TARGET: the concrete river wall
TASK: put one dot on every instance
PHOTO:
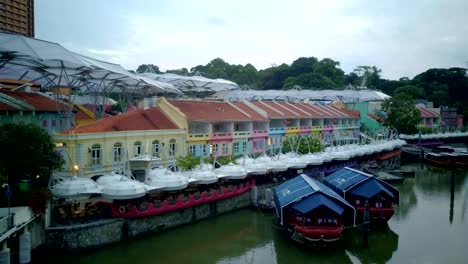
(107, 231)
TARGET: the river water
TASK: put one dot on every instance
(430, 226)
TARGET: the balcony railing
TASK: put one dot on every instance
(317, 128)
(242, 133)
(221, 135)
(198, 136)
(277, 130)
(305, 129)
(292, 129)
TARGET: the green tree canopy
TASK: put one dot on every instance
(27, 151)
(402, 114)
(415, 92)
(144, 68)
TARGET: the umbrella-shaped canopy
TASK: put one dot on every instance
(193, 83)
(311, 95)
(21, 57)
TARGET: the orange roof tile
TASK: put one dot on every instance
(274, 109)
(5, 107)
(321, 110)
(353, 113)
(38, 101)
(141, 119)
(427, 113)
(209, 111)
(254, 115)
(309, 113)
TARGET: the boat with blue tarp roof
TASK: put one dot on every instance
(360, 188)
(310, 212)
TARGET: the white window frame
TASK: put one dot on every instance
(192, 149)
(96, 155)
(236, 147)
(155, 148)
(137, 148)
(172, 147)
(118, 152)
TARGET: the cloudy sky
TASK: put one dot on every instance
(403, 38)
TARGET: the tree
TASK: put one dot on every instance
(402, 114)
(27, 152)
(148, 68)
(183, 71)
(368, 76)
(414, 92)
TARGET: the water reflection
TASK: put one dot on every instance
(408, 199)
(383, 242)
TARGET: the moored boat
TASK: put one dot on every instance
(364, 190)
(310, 212)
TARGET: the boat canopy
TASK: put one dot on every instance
(310, 203)
(304, 194)
(348, 180)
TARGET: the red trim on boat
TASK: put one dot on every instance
(316, 233)
(180, 204)
(390, 154)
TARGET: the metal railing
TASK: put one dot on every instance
(6, 222)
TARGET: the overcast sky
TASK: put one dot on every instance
(401, 37)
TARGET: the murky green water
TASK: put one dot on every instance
(430, 226)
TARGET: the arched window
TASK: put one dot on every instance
(96, 155)
(137, 148)
(117, 152)
(155, 148)
(172, 147)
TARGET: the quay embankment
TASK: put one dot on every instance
(104, 232)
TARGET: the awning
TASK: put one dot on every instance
(312, 202)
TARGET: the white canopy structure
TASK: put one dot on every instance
(53, 65)
(301, 95)
(192, 84)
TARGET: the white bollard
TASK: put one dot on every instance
(268, 197)
(5, 254)
(25, 246)
(254, 195)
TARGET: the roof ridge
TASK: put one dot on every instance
(240, 110)
(275, 110)
(287, 109)
(288, 103)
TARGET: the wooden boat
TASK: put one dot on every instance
(403, 173)
(311, 213)
(447, 156)
(361, 189)
(389, 178)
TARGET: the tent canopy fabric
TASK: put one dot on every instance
(369, 189)
(358, 182)
(297, 189)
(53, 65)
(193, 83)
(350, 96)
(314, 201)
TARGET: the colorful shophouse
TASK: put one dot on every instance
(217, 128)
(105, 145)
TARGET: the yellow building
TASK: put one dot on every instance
(104, 146)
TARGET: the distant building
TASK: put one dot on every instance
(34, 108)
(450, 117)
(17, 16)
(429, 117)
